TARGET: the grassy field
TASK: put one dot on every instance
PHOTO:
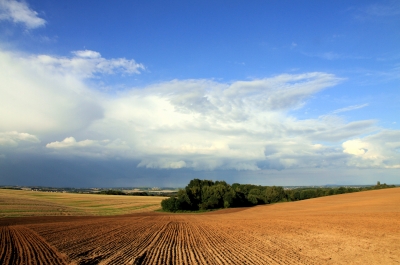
(14, 203)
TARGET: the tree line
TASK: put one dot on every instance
(201, 195)
(136, 193)
(120, 192)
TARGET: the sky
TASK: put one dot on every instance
(156, 93)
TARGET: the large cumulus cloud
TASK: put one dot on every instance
(380, 150)
(41, 102)
(196, 124)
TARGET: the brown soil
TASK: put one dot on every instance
(357, 228)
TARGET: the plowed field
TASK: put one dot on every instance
(358, 228)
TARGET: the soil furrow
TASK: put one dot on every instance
(307, 232)
(25, 247)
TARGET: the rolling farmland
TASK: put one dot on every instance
(15, 203)
(358, 228)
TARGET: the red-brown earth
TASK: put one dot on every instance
(356, 228)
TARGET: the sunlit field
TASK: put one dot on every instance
(354, 228)
(14, 203)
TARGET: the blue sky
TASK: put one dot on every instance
(155, 93)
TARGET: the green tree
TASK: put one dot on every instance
(274, 194)
(213, 196)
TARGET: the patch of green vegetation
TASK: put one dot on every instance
(200, 195)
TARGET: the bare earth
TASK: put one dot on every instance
(357, 228)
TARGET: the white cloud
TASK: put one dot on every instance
(87, 54)
(210, 125)
(86, 64)
(89, 148)
(199, 124)
(355, 147)
(340, 130)
(19, 12)
(71, 142)
(354, 107)
(14, 137)
(196, 124)
(380, 150)
(40, 102)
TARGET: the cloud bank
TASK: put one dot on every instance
(196, 124)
